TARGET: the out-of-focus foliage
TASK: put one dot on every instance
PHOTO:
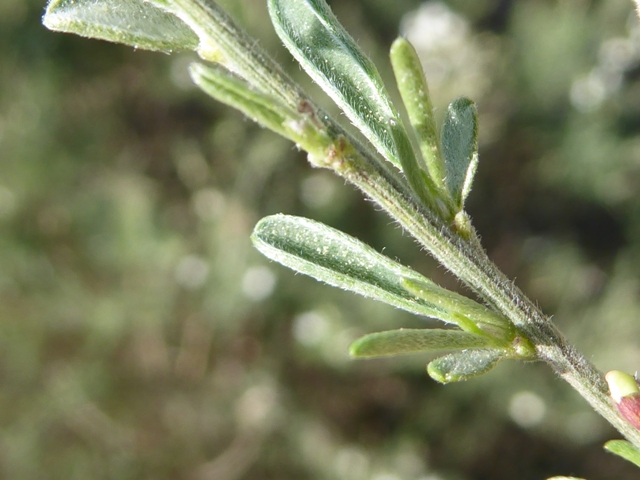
(141, 336)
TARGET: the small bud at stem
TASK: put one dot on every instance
(621, 384)
(626, 395)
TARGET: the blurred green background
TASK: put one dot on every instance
(142, 337)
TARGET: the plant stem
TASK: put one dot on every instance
(463, 256)
(468, 261)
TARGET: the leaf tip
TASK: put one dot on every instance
(355, 349)
(371, 345)
(257, 236)
(51, 17)
(624, 449)
(437, 374)
(399, 44)
(462, 103)
(464, 365)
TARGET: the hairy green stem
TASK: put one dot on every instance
(462, 255)
(468, 261)
(455, 245)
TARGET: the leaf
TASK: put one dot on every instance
(468, 314)
(263, 108)
(407, 340)
(624, 449)
(132, 22)
(233, 90)
(222, 41)
(331, 57)
(459, 142)
(459, 366)
(340, 260)
(414, 91)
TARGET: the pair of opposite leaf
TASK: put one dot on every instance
(440, 174)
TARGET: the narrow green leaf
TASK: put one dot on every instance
(340, 260)
(459, 141)
(269, 111)
(624, 449)
(222, 41)
(407, 340)
(415, 95)
(233, 90)
(331, 57)
(459, 366)
(470, 315)
(132, 22)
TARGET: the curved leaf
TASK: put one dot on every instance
(233, 90)
(132, 22)
(340, 260)
(261, 107)
(408, 340)
(331, 57)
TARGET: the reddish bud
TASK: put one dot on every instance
(626, 395)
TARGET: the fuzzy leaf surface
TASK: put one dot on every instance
(338, 259)
(233, 90)
(459, 366)
(409, 340)
(466, 313)
(459, 143)
(624, 449)
(414, 91)
(261, 107)
(132, 22)
(332, 58)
